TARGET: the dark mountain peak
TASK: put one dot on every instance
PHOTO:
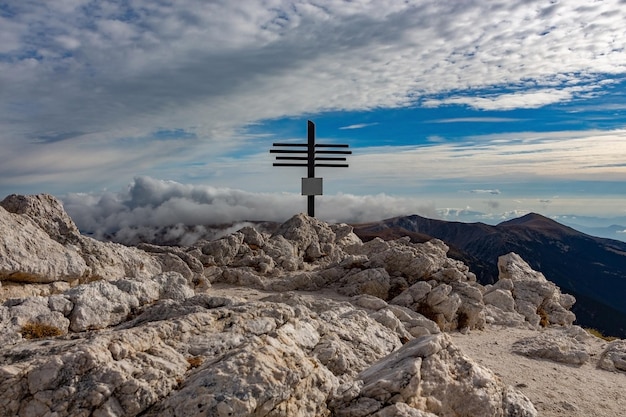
(541, 224)
(527, 217)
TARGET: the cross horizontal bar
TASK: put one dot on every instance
(286, 151)
(290, 144)
(293, 158)
(323, 158)
(278, 164)
(332, 165)
(331, 145)
(334, 152)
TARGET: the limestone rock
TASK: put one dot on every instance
(208, 353)
(471, 312)
(177, 259)
(614, 356)
(430, 375)
(416, 324)
(42, 245)
(415, 262)
(252, 237)
(15, 314)
(495, 315)
(283, 253)
(110, 261)
(413, 295)
(102, 304)
(29, 255)
(99, 305)
(369, 281)
(173, 286)
(457, 305)
(503, 299)
(312, 236)
(537, 299)
(292, 384)
(136, 339)
(501, 307)
(10, 289)
(552, 346)
(224, 250)
(47, 212)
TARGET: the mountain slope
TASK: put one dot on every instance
(592, 269)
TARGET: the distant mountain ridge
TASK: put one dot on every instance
(592, 269)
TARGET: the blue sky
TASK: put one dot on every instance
(475, 110)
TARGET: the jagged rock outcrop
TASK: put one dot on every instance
(325, 255)
(29, 255)
(430, 374)
(140, 331)
(43, 245)
(523, 295)
(47, 212)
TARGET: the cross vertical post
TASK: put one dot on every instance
(311, 186)
(311, 165)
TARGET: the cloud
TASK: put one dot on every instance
(149, 204)
(119, 71)
(94, 95)
(495, 191)
(477, 120)
(435, 139)
(518, 100)
(493, 159)
(357, 126)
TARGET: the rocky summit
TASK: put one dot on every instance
(307, 321)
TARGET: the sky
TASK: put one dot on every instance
(139, 112)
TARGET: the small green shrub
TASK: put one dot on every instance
(39, 330)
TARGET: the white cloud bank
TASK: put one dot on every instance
(150, 203)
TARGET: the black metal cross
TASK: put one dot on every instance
(311, 186)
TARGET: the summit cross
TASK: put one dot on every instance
(311, 186)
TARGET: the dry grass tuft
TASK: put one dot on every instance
(544, 321)
(195, 361)
(39, 331)
(597, 333)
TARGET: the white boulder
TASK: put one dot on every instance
(614, 356)
(537, 299)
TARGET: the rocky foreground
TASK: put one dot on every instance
(308, 321)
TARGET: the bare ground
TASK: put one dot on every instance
(555, 389)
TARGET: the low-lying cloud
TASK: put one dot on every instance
(176, 211)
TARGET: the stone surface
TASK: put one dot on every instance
(561, 348)
(28, 254)
(323, 324)
(537, 299)
(47, 212)
(42, 245)
(614, 356)
(430, 375)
